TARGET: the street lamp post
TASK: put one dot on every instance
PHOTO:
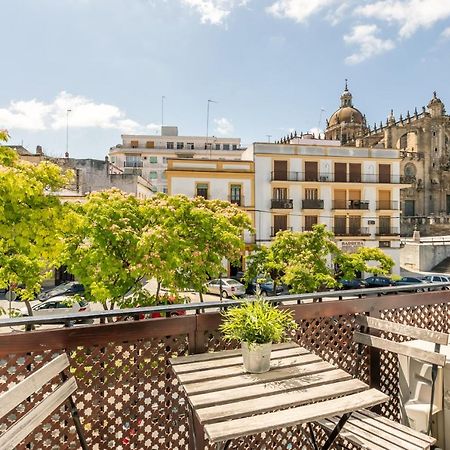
(67, 131)
(207, 119)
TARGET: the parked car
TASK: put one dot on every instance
(229, 286)
(357, 283)
(404, 281)
(56, 306)
(67, 289)
(265, 286)
(378, 282)
(436, 279)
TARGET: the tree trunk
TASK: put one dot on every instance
(158, 288)
(30, 314)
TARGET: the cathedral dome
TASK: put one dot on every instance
(346, 114)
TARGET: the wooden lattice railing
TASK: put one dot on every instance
(128, 397)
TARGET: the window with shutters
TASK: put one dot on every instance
(384, 173)
(311, 171)
(310, 221)
(280, 170)
(340, 172)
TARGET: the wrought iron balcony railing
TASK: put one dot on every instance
(312, 204)
(282, 204)
(351, 231)
(351, 204)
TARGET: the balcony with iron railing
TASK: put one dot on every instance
(388, 231)
(350, 177)
(312, 204)
(275, 230)
(128, 396)
(282, 204)
(351, 204)
(351, 231)
(387, 205)
(134, 164)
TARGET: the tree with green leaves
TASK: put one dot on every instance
(365, 259)
(102, 245)
(116, 240)
(306, 261)
(187, 240)
(30, 222)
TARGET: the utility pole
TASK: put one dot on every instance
(67, 131)
(207, 119)
(268, 137)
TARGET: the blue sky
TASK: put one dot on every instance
(271, 65)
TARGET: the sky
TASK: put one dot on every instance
(272, 66)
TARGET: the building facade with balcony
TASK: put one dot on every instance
(147, 155)
(232, 181)
(355, 192)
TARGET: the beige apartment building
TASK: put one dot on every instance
(355, 192)
(232, 181)
(147, 155)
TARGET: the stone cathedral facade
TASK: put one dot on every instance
(423, 139)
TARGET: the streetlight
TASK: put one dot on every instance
(67, 131)
(207, 119)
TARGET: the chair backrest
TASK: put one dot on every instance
(372, 323)
(21, 391)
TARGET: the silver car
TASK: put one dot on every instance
(58, 305)
(229, 287)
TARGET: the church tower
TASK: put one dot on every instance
(347, 123)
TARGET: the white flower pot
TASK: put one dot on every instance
(256, 357)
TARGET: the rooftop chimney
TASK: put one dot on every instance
(39, 150)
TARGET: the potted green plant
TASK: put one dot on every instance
(257, 324)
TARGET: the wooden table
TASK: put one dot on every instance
(228, 403)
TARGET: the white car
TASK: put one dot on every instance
(229, 286)
(58, 305)
(436, 279)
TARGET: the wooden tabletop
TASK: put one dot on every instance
(231, 403)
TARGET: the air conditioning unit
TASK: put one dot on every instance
(323, 178)
(287, 205)
(415, 394)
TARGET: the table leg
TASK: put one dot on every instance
(337, 429)
(223, 445)
(196, 432)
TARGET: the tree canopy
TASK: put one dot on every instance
(306, 261)
(30, 221)
(102, 245)
(117, 240)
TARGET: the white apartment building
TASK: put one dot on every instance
(354, 191)
(147, 155)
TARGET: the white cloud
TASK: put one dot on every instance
(35, 115)
(298, 10)
(224, 127)
(410, 15)
(28, 115)
(214, 11)
(446, 33)
(364, 37)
